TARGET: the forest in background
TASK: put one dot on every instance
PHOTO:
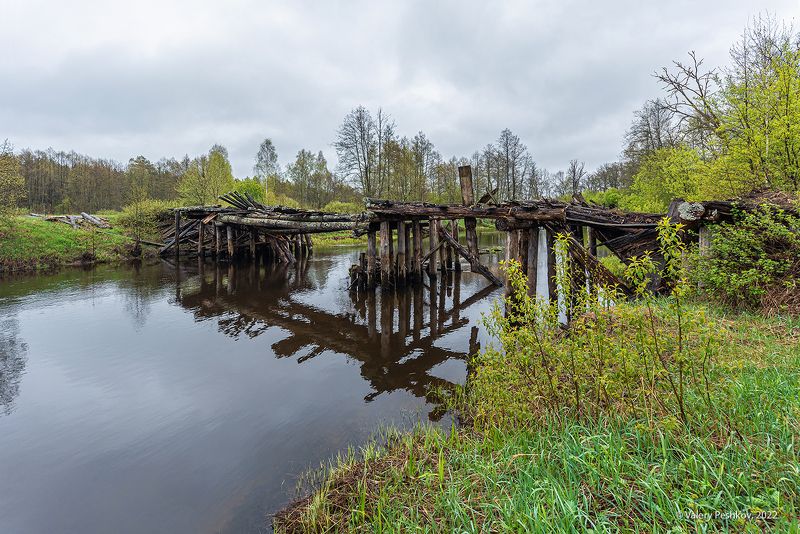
(712, 133)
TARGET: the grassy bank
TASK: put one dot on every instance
(529, 458)
(31, 244)
(334, 239)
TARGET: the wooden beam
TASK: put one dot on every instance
(474, 261)
(417, 230)
(229, 232)
(177, 232)
(201, 235)
(434, 246)
(552, 286)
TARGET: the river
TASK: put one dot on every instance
(190, 397)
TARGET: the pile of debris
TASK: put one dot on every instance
(76, 221)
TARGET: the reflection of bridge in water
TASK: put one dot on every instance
(392, 335)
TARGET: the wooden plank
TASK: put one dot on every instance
(201, 235)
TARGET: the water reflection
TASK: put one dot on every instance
(13, 355)
(392, 335)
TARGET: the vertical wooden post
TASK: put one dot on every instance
(407, 238)
(371, 254)
(386, 254)
(201, 235)
(522, 240)
(468, 199)
(512, 253)
(592, 242)
(401, 252)
(229, 232)
(417, 248)
(252, 244)
(442, 249)
(449, 251)
(177, 246)
(704, 241)
(552, 285)
(433, 266)
(456, 257)
(533, 259)
(217, 239)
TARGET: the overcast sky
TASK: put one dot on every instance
(161, 78)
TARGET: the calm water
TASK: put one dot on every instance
(189, 398)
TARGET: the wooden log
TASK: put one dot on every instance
(522, 240)
(533, 260)
(371, 257)
(468, 199)
(442, 250)
(417, 228)
(474, 261)
(386, 255)
(401, 252)
(704, 240)
(292, 226)
(253, 237)
(541, 211)
(434, 246)
(229, 235)
(449, 250)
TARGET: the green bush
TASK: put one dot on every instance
(753, 261)
(337, 206)
(637, 359)
(141, 218)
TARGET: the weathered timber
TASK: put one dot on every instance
(229, 235)
(552, 285)
(294, 227)
(386, 255)
(371, 255)
(417, 230)
(473, 260)
(402, 242)
(177, 232)
(434, 246)
(468, 199)
(457, 262)
(201, 235)
(533, 259)
(535, 212)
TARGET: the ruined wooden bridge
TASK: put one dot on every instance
(407, 240)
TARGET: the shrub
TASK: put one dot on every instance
(753, 261)
(141, 218)
(337, 206)
(637, 359)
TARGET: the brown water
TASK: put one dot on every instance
(189, 398)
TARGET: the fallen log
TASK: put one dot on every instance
(290, 226)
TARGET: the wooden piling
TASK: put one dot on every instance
(443, 249)
(177, 232)
(417, 228)
(229, 234)
(433, 243)
(217, 240)
(533, 259)
(407, 238)
(552, 285)
(371, 254)
(401, 252)
(457, 264)
(252, 244)
(468, 199)
(592, 237)
(386, 254)
(201, 234)
(512, 253)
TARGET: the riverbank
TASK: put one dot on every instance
(31, 244)
(630, 465)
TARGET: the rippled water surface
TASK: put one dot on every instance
(189, 397)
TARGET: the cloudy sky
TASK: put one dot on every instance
(167, 78)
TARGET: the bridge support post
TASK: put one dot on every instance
(417, 268)
(552, 286)
(533, 260)
(386, 254)
(201, 235)
(402, 242)
(229, 234)
(468, 199)
(371, 254)
(433, 230)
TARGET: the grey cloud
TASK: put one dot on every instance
(171, 79)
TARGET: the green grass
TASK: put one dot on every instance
(31, 243)
(337, 239)
(605, 474)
